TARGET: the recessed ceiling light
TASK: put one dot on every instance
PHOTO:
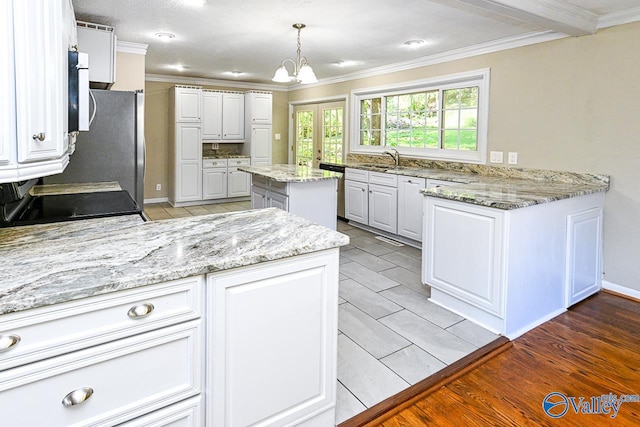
(234, 73)
(177, 67)
(414, 43)
(165, 37)
(346, 63)
(195, 2)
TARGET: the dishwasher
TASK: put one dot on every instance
(337, 168)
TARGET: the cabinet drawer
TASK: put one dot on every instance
(128, 378)
(356, 175)
(61, 328)
(389, 180)
(188, 413)
(259, 180)
(432, 183)
(214, 163)
(239, 162)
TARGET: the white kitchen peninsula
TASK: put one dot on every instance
(105, 321)
(301, 190)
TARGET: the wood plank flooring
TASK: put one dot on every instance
(589, 351)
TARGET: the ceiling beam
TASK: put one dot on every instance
(557, 15)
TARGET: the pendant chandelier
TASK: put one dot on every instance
(302, 71)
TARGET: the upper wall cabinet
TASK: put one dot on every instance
(259, 107)
(211, 114)
(188, 104)
(222, 116)
(33, 76)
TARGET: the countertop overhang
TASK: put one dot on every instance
(54, 263)
(290, 173)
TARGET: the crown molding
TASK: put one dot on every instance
(212, 82)
(452, 55)
(619, 18)
(131, 47)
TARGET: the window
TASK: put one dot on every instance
(443, 118)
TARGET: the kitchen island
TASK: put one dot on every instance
(301, 190)
(94, 308)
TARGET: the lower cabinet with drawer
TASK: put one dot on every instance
(103, 360)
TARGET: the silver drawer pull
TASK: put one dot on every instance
(7, 342)
(77, 397)
(140, 311)
(39, 136)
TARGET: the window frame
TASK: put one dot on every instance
(479, 78)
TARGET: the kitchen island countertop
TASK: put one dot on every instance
(54, 263)
(290, 173)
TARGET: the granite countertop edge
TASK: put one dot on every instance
(291, 173)
(96, 257)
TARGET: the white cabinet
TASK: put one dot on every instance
(380, 208)
(185, 163)
(108, 359)
(259, 107)
(584, 254)
(258, 128)
(410, 202)
(34, 139)
(272, 334)
(214, 183)
(211, 115)
(232, 116)
(222, 179)
(187, 104)
(258, 197)
(188, 413)
(511, 270)
(222, 116)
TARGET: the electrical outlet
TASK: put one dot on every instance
(513, 158)
(496, 156)
(158, 187)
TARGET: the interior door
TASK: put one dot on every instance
(319, 133)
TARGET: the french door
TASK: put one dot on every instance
(319, 133)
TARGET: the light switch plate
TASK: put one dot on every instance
(496, 156)
(277, 136)
(512, 158)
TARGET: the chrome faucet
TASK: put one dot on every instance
(395, 155)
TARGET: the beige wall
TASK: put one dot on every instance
(571, 104)
(129, 71)
(157, 134)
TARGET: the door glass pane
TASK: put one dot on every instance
(332, 138)
(304, 138)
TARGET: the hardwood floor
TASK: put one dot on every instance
(590, 351)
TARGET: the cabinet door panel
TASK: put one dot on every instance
(261, 108)
(40, 82)
(211, 115)
(232, 116)
(383, 208)
(356, 201)
(189, 145)
(239, 183)
(189, 182)
(410, 202)
(214, 183)
(280, 201)
(261, 145)
(584, 257)
(188, 105)
(258, 197)
(7, 87)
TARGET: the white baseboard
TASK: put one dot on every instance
(158, 200)
(633, 293)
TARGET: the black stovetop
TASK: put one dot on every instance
(70, 207)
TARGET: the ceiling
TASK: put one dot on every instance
(254, 36)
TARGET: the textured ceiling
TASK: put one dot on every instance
(254, 36)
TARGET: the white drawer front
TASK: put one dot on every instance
(214, 163)
(239, 162)
(129, 378)
(356, 175)
(50, 331)
(188, 413)
(387, 179)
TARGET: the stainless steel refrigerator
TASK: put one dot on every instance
(113, 148)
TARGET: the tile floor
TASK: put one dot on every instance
(390, 335)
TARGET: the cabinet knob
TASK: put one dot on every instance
(370, 192)
(140, 311)
(77, 397)
(7, 342)
(39, 136)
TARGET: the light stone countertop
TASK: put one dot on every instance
(53, 263)
(290, 173)
(500, 188)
